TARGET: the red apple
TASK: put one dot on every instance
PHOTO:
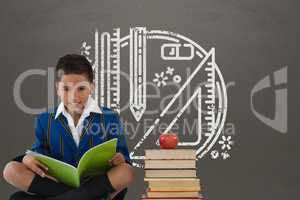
(168, 141)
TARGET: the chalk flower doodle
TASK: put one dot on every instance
(226, 142)
(85, 50)
(160, 79)
(225, 155)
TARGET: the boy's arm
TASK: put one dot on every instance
(116, 131)
(40, 144)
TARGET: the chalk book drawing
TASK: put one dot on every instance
(187, 77)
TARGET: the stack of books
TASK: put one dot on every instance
(171, 174)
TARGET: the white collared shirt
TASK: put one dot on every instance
(90, 106)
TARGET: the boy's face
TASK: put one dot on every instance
(74, 90)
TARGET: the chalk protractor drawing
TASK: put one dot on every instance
(190, 84)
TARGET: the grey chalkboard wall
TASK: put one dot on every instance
(252, 38)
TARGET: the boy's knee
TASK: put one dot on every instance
(121, 176)
(10, 170)
(127, 172)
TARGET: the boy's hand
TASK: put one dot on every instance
(37, 167)
(117, 160)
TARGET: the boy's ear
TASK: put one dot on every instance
(56, 87)
(92, 88)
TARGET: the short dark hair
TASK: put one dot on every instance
(74, 64)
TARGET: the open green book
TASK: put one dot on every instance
(93, 162)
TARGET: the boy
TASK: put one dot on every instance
(66, 134)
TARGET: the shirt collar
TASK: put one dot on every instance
(90, 106)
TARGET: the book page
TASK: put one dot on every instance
(63, 172)
(95, 160)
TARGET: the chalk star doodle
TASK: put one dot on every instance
(170, 70)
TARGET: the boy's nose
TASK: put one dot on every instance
(74, 97)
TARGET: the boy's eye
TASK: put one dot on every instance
(81, 88)
(66, 88)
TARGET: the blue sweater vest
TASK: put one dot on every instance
(53, 137)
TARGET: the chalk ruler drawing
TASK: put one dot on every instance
(211, 97)
(107, 90)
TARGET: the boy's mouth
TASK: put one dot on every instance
(75, 104)
(77, 107)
